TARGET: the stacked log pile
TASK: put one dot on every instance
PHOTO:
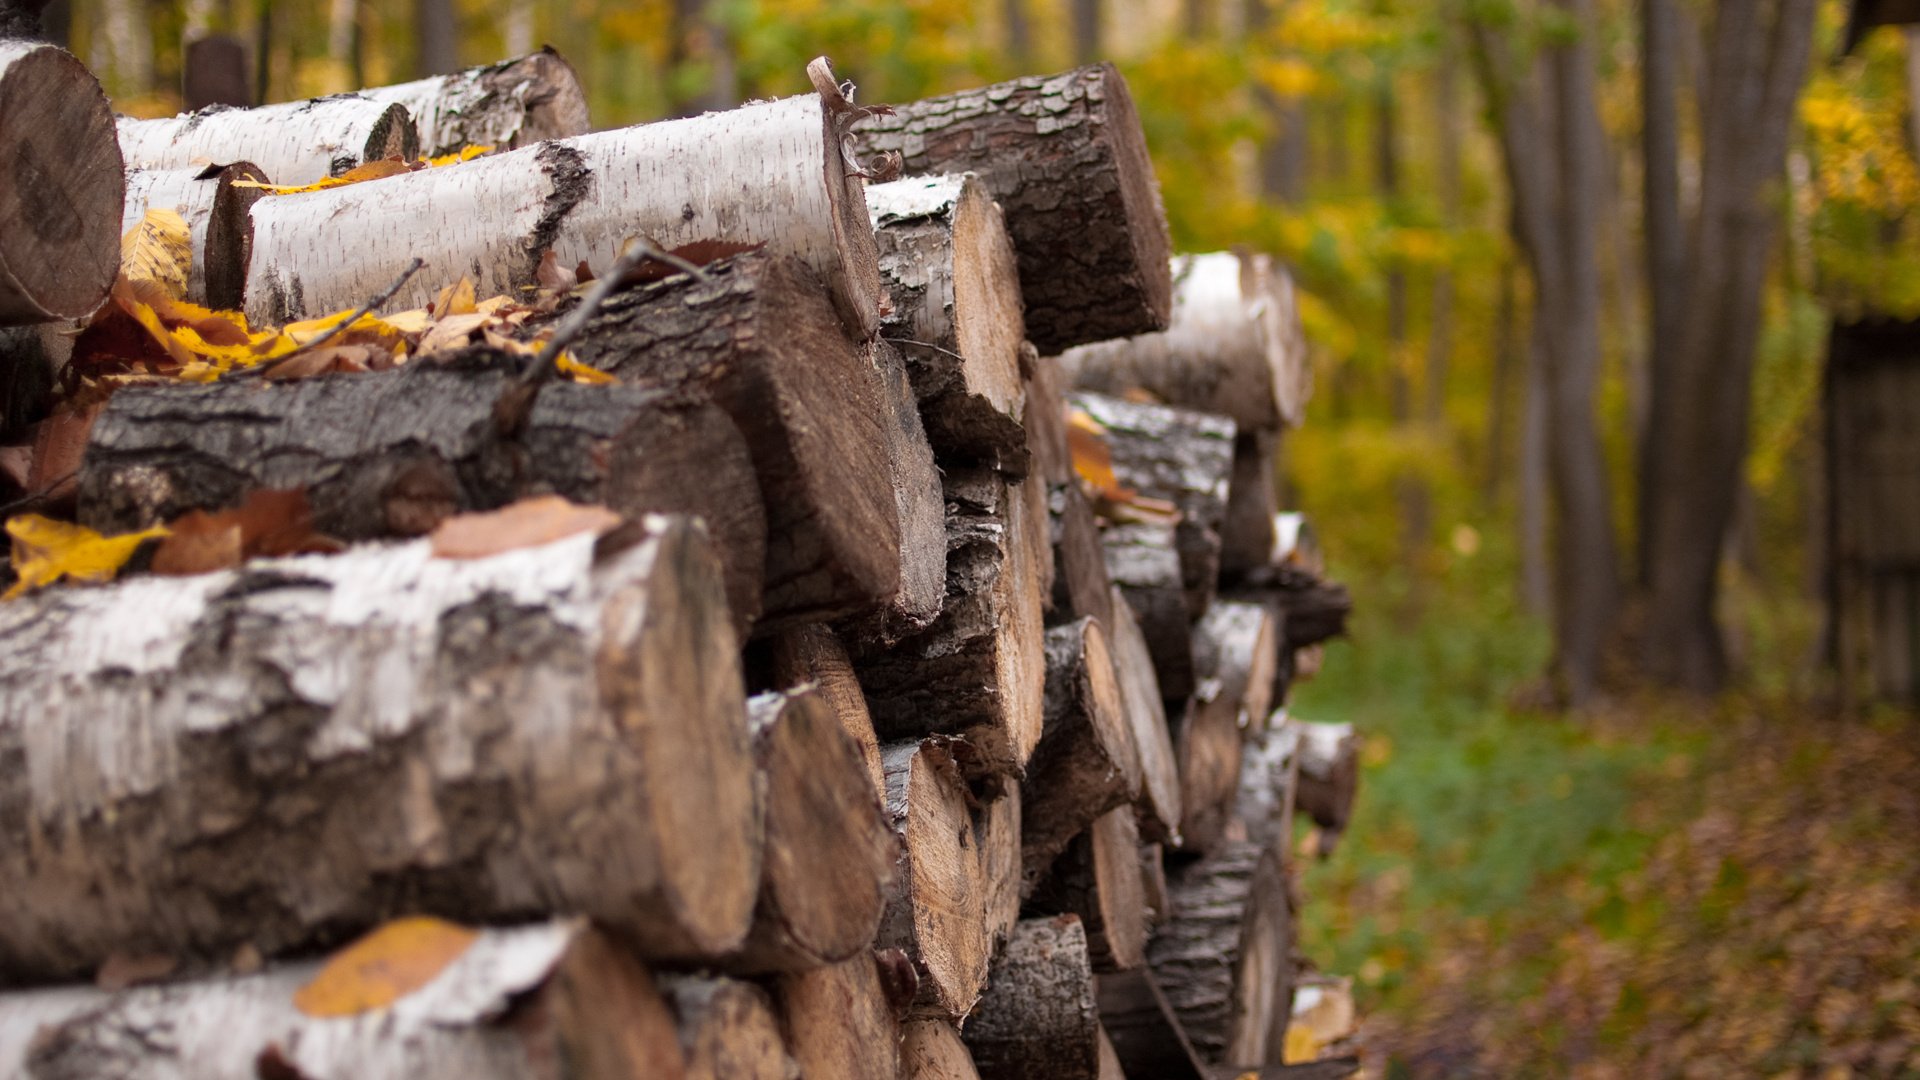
(841, 639)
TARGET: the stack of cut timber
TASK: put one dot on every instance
(861, 666)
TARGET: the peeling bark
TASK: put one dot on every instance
(507, 105)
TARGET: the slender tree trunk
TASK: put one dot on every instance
(700, 68)
(1500, 412)
(518, 27)
(1536, 589)
(1913, 81)
(1019, 30)
(436, 37)
(1665, 244)
(1086, 31)
(1448, 119)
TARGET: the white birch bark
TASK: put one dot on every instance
(769, 173)
(507, 105)
(295, 142)
(197, 197)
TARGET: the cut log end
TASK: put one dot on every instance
(728, 1029)
(938, 914)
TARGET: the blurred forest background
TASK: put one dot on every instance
(1569, 282)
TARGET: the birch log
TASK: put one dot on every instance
(1067, 159)
(996, 837)
(937, 914)
(1225, 957)
(1143, 561)
(1098, 878)
(507, 105)
(393, 453)
(933, 1050)
(1235, 346)
(949, 271)
(728, 1030)
(829, 857)
(838, 1022)
(1087, 762)
(1038, 1020)
(291, 752)
(514, 1002)
(216, 215)
(1159, 803)
(769, 173)
(60, 204)
(294, 142)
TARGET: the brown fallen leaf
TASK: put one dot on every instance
(527, 523)
(198, 543)
(553, 277)
(383, 967)
(267, 524)
(326, 360)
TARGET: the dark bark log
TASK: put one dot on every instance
(812, 654)
(214, 71)
(1087, 762)
(830, 855)
(64, 188)
(1098, 879)
(1144, 562)
(948, 268)
(1159, 803)
(728, 1029)
(1225, 957)
(1246, 533)
(216, 215)
(1067, 160)
(1312, 609)
(1081, 587)
(838, 1022)
(574, 995)
(937, 914)
(294, 142)
(1046, 421)
(507, 105)
(979, 672)
(1145, 1034)
(339, 740)
(1236, 651)
(1038, 1020)
(996, 834)
(921, 507)
(933, 1050)
(393, 453)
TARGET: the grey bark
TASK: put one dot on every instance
(1225, 957)
(513, 103)
(1039, 1020)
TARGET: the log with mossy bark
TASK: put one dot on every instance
(1038, 1019)
(294, 142)
(288, 753)
(1224, 957)
(215, 201)
(513, 103)
(937, 915)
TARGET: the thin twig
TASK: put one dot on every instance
(924, 345)
(7, 509)
(639, 250)
(337, 328)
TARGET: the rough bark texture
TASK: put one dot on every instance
(770, 173)
(1145, 1034)
(1081, 587)
(573, 994)
(1235, 346)
(949, 271)
(1098, 878)
(996, 833)
(1159, 803)
(1225, 957)
(979, 672)
(1247, 534)
(60, 204)
(507, 105)
(392, 453)
(932, 1050)
(921, 507)
(1087, 762)
(1067, 160)
(728, 1030)
(838, 1023)
(759, 339)
(216, 214)
(287, 754)
(937, 914)
(811, 654)
(829, 857)
(1144, 562)
(295, 142)
(1038, 1020)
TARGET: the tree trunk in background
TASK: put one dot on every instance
(1086, 31)
(1448, 120)
(1913, 78)
(346, 41)
(263, 52)
(518, 28)
(122, 50)
(436, 37)
(1666, 252)
(1536, 587)
(1409, 487)
(1019, 40)
(1758, 56)
(700, 69)
(1501, 410)
(1283, 152)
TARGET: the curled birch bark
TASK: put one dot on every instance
(291, 752)
(507, 105)
(216, 215)
(295, 142)
(60, 203)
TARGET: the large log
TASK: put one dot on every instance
(513, 103)
(1247, 536)
(1038, 1020)
(769, 173)
(291, 752)
(1236, 651)
(829, 858)
(937, 914)
(949, 271)
(1067, 160)
(933, 1050)
(572, 994)
(1225, 956)
(1143, 561)
(1087, 762)
(812, 654)
(216, 215)
(728, 1029)
(839, 1023)
(979, 672)
(1234, 347)
(60, 207)
(294, 142)
(996, 836)
(1098, 878)
(1159, 803)
(393, 453)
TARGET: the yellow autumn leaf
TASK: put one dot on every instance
(383, 967)
(456, 299)
(372, 170)
(581, 373)
(45, 550)
(1092, 459)
(159, 250)
(466, 153)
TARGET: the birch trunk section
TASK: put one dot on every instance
(507, 105)
(284, 755)
(294, 143)
(216, 215)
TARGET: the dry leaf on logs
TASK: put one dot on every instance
(455, 299)
(527, 523)
(1092, 458)
(45, 550)
(383, 967)
(269, 523)
(122, 970)
(552, 277)
(158, 250)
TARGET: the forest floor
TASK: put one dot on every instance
(1659, 889)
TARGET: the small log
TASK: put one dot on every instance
(996, 834)
(1098, 879)
(1235, 648)
(216, 215)
(1247, 534)
(1087, 762)
(1159, 803)
(294, 142)
(829, 858)
(949, 271)
(838, 1022)
(933, 1050)
(1225, 956)
(507, 105)
(979, 672)
(573, 993)
(937, 914)
(1329, 775)
(1236, 652)
(59, 243)
(1143, 561)
(1313, 609)
(326, 742)
(1081, 587)
(811, 654)
(1046, 420)
(1234, 347)
(1067, 159)
(214, 71)
(1038, 1020)
(921, 507)
(770, 173)
(1146, 1037)
(728, 1029)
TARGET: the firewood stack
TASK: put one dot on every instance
(900, 696)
